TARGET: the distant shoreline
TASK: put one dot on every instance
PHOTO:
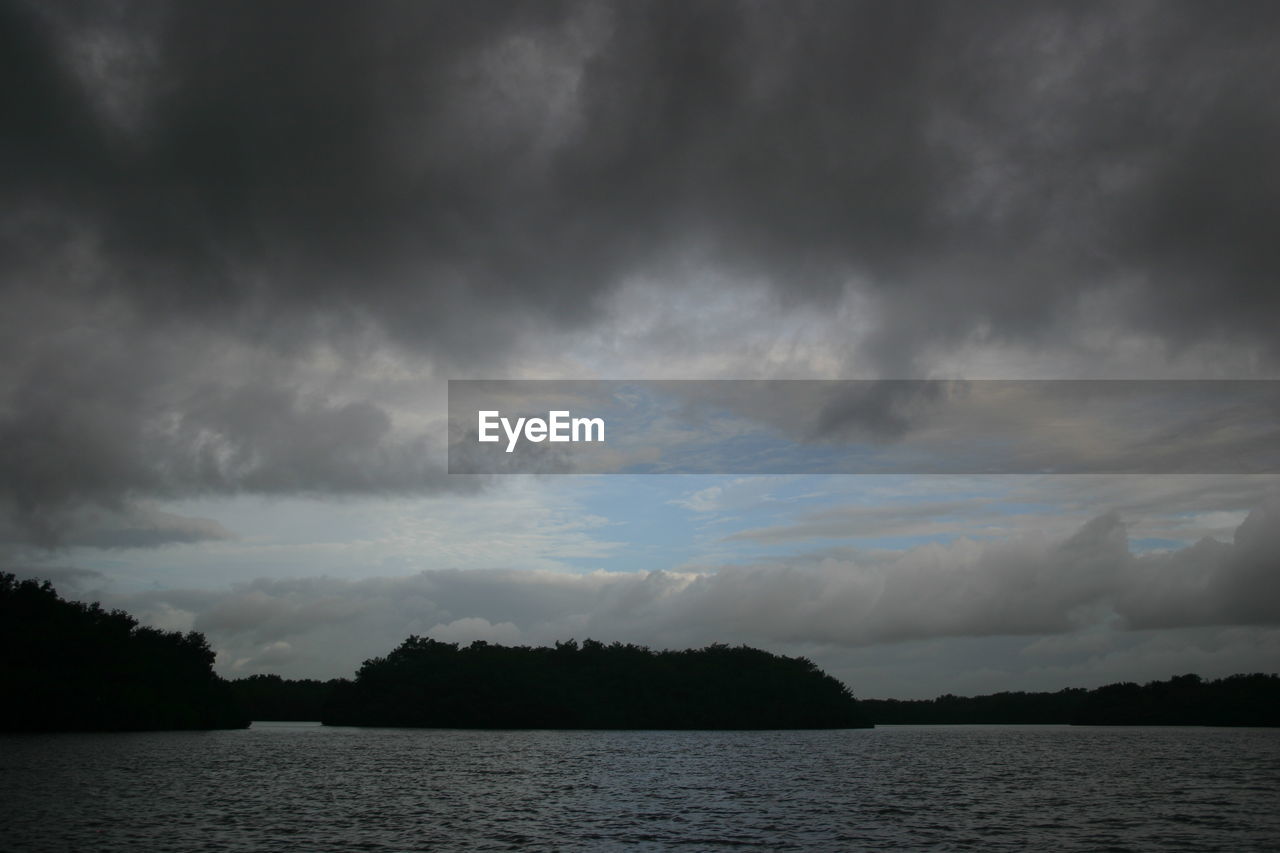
(76, 667)
(1185, 700)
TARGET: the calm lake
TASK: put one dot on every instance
(303, 787)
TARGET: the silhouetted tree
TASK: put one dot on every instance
(66, 665)
(425, 682)
(1008, 707)
(270, 697)
(1184, 700)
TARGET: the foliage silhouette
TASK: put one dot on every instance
(1015, 707)
(1184, 700)
(593, 686)
(72, 666)
(270, 697)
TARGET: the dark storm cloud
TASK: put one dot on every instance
(334, 158)
(119, 420)
(413, 159)
(184, 178)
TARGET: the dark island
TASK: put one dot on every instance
(68, 666)
(591, 686)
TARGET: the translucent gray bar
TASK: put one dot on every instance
(864, 427)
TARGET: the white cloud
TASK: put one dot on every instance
(474, 628)
(1029, 585)
(701, 501)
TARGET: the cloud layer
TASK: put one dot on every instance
(1069, 588)
(223, 222)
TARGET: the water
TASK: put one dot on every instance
(304, 787)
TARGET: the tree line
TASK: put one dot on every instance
(1184, 700)
(590, 685)
(72, 666)
(68, 666)
(1237, 700)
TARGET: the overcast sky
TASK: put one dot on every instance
(244, 245)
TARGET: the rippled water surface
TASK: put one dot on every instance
(303, 787)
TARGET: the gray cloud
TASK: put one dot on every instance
(184, 181)
(855, 521)
(139, 527)
(99, 429)
(1211, 582)
(71, 581)
(1032, 586)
